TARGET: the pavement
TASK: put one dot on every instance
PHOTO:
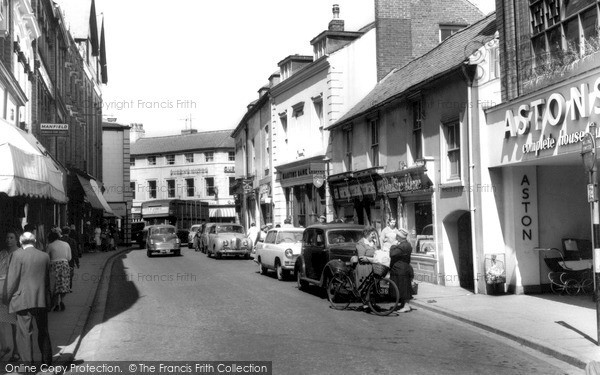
(561, 326)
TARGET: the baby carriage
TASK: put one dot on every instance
(565, 278)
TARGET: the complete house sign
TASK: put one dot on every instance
(556, 117)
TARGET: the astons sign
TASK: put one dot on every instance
(553, 112)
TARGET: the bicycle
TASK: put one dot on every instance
(379, 293)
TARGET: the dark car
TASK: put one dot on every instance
(322, 243)
(162, 239)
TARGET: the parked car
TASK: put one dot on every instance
(204, 236)
(279, 251)
(162, 239)
(228, 239)
(322, 243)
(193, 229)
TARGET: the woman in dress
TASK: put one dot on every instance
(60, 255)
(365, 248)
(401, 272)
(388, 234)
(7, 319)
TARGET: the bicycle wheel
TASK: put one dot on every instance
(340, 291)
(383, 297)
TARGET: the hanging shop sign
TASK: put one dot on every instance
(318, 179)
(248, 185)
(368, 188)
(404, 182)
(264, 193)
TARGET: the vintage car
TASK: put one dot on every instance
(162, 239)
(322, 243)
(192, 232)
(228, 239)
(203, 244)
(279, 251)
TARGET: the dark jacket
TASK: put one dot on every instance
(400, 259)
(28, 279)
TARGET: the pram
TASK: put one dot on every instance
(565, 279)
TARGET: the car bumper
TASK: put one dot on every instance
(163, 249)
(234, 251)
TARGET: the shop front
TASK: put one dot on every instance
(303, 184)
(408, 198)
(535, 146)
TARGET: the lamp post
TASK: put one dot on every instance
(588, 153)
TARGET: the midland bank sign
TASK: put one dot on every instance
(566, 111)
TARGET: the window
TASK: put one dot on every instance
(189, 157)
(374, 125)
(418, 118)
(298, 109)
(151, 160)
(283, 119)
(210, 186)
(189, 187)
(495, 63)
(152, 189)
(231, 185)
(209, 156)
(557, 29)
(170, 188)
(453, 149)
(231, 155)
(170, 159)
(348, 142)
(132, 188)
(132, 162)
(448, 30)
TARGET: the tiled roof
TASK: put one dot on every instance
(447, 56)
(180, 143)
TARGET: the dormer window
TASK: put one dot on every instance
(286, 70)
(448, 30)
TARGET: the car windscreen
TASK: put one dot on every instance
(289, 237)
(230, 229)
(163, 230)
(343, 236)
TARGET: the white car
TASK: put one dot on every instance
(279, 251)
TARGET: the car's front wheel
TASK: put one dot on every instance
(149, 253)
(262, 269)
(281, 274)
(302, 284)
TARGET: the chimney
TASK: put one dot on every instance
(189, 131)
(336, 24)
(136, 132)
(393, 35)
(274, 79)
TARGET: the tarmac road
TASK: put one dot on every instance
(198, 308)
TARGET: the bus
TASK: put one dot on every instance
(182, 213)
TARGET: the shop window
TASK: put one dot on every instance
(452, 135)
(170, 188)
(374, 125)
(189, 157)
(151, 160)
(152, 189)
(418, 117)
(189, 187)
(210, 186)
(170, 159)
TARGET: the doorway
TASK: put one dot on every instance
(465, 252)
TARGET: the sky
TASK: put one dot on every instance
(199, 63)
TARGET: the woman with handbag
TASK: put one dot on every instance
(401, 272)
(7, 319)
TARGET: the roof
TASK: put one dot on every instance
(187, 142)
(114, 125)
(447, 56)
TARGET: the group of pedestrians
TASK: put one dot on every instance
(395, 253)
(33, 281)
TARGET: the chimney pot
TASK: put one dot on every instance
(336, 11)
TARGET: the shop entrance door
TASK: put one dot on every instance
(465, 253)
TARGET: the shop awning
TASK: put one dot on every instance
(222, 212)
(94, 195)
(26, 169)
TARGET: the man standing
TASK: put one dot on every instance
(28, 294)
(253, 233)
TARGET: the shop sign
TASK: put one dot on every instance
(398, 184)
(229, 169)
(155, 211)
(55, 129)
(558, 111)
(336, 193)
(188, 171)
(368, 188)
(318, 180)
(247, 185)
(264, 192)
(344, 192)
(355, 190)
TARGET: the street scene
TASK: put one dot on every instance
(356, 187)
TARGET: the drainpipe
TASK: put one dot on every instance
(471, 166)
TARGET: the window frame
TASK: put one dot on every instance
(187, 157)
(190, 187)
(151, 160)
(452, 142)
(170, 159)
(417, 129)
(348, 148)
(170, 190)
(210, 188)
(209, 156)
(152, 190)
(374, 128)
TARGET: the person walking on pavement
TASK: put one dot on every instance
(60, 255)
(7, 319)
(75, 255)
(27, 284)
(253, 232)
(401, 272)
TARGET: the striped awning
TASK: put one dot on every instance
(26, 168)
(221, 212)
